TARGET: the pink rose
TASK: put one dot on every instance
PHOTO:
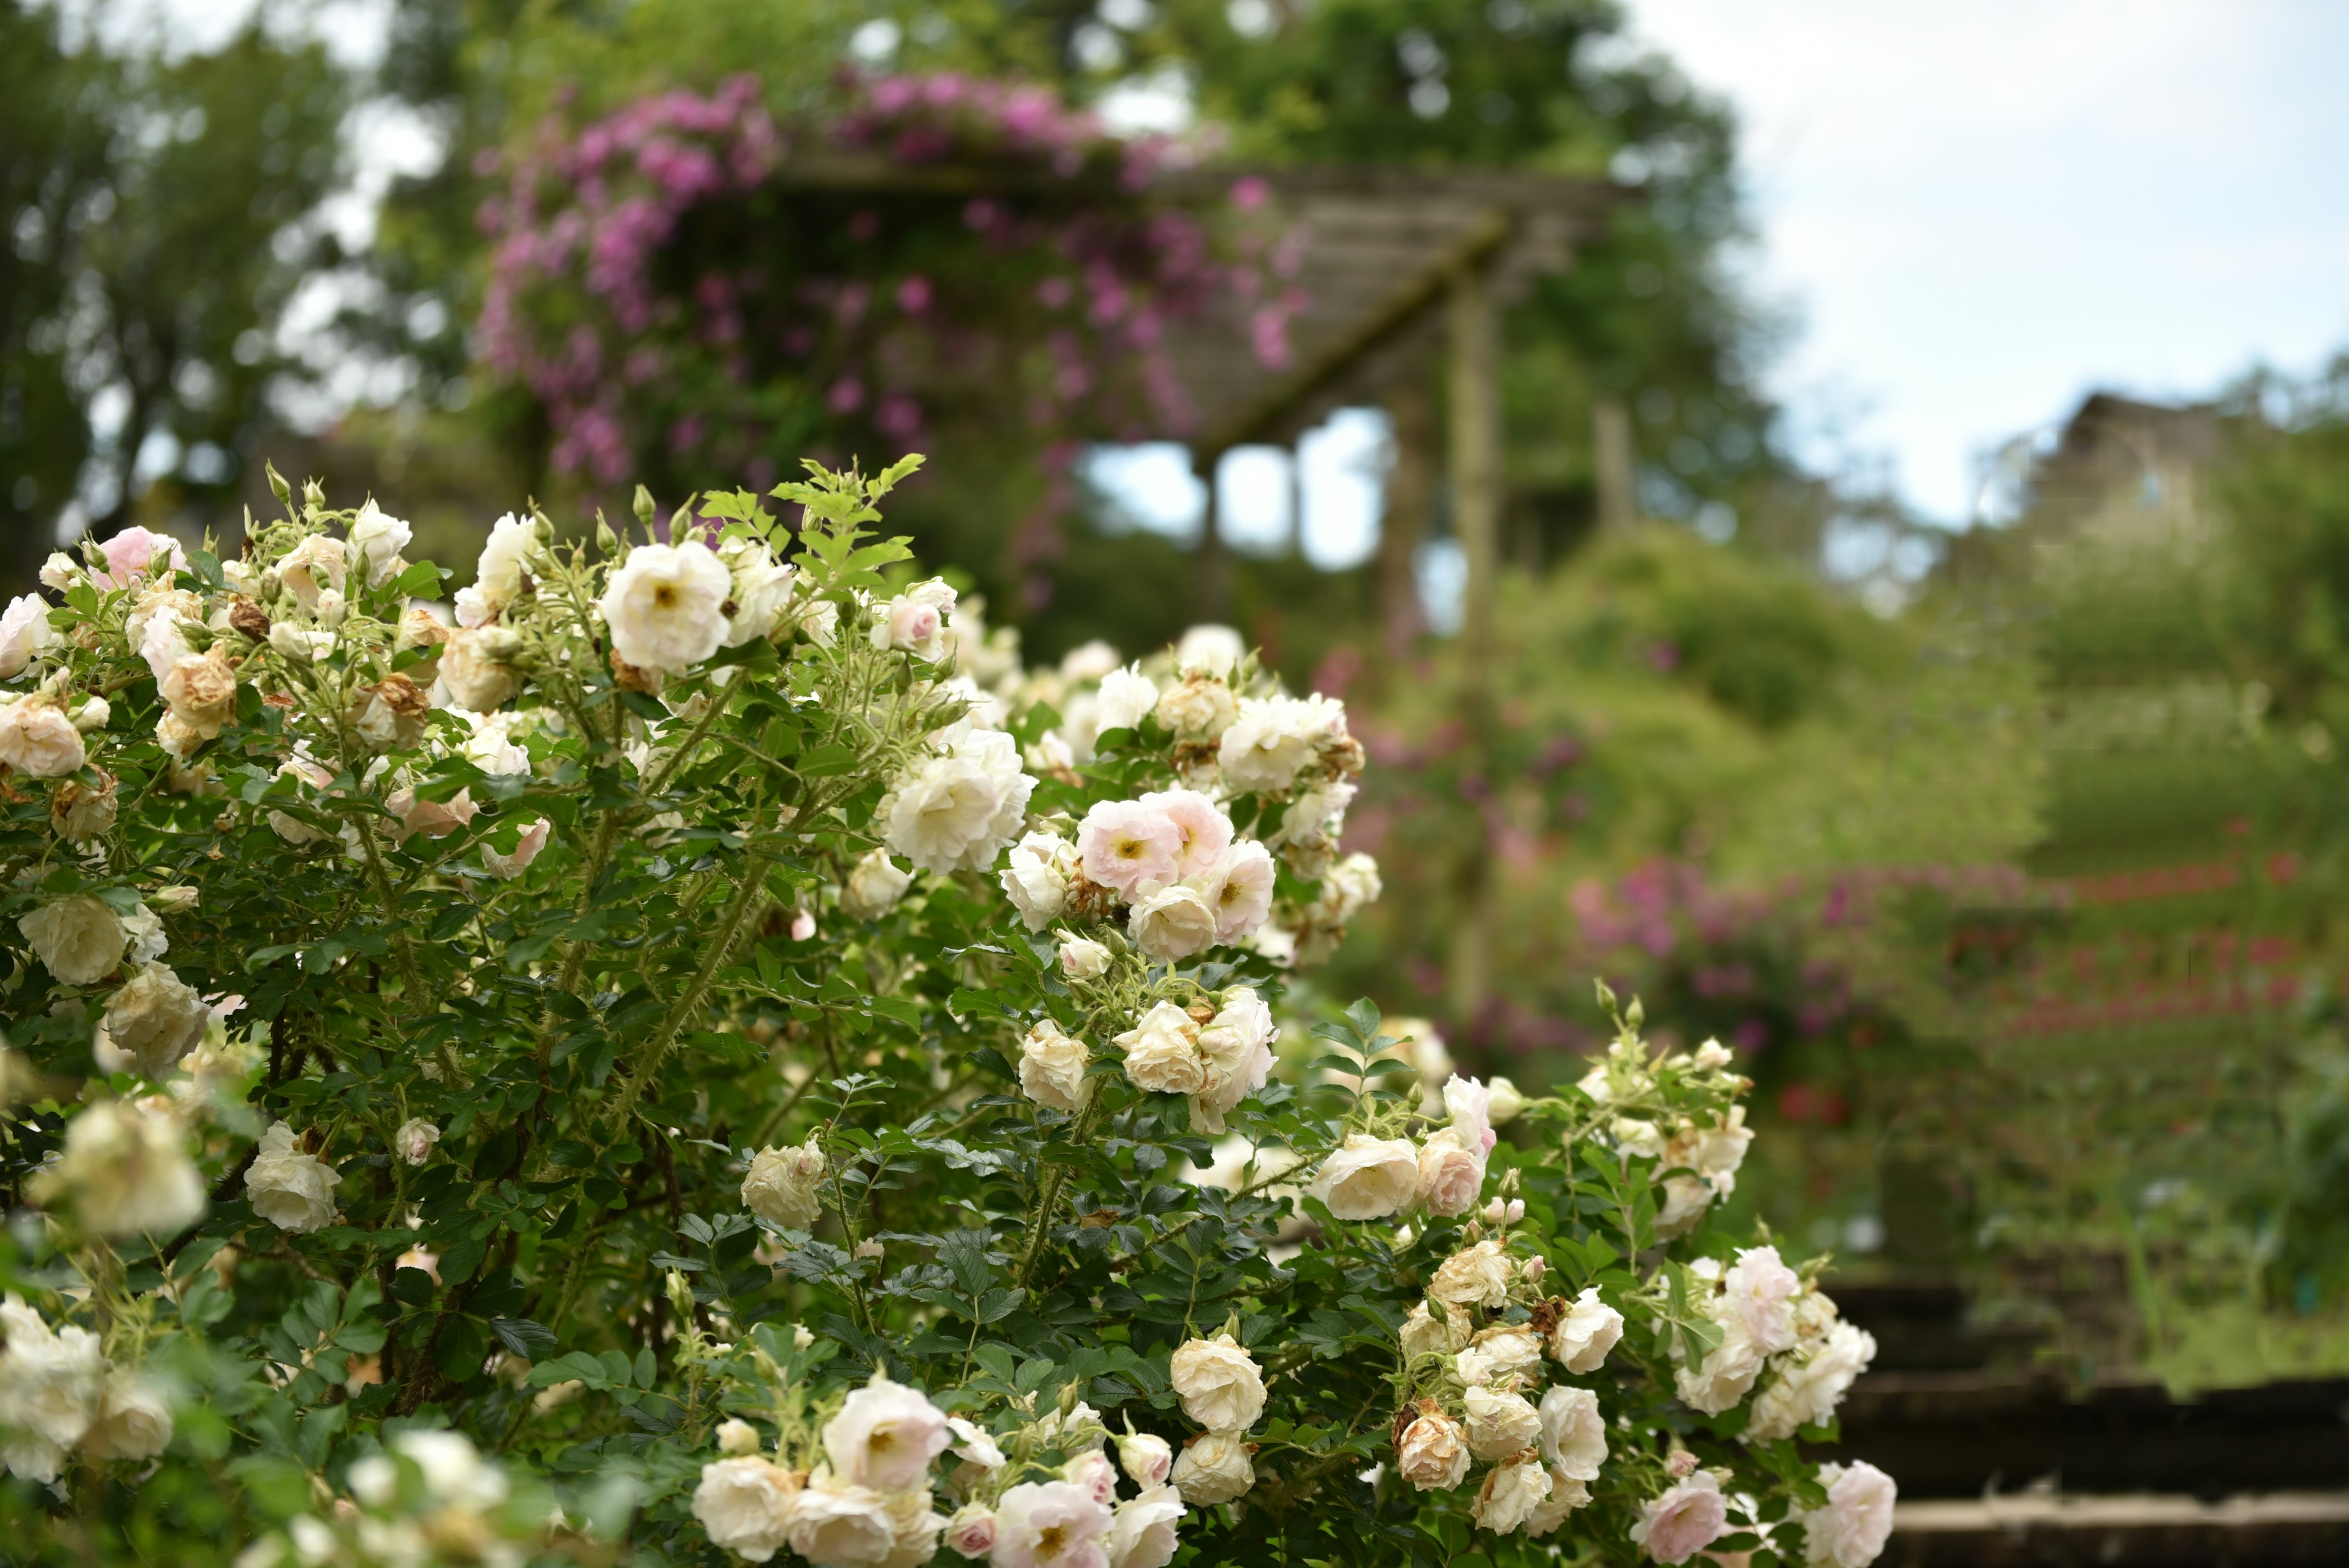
(1682, 1522)
(432, 819)
(131, 553)
(1206, 831)
(1451, 1174)
(1122, 844)
(525, 850)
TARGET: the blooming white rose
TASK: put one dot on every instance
(1220, 1384)
(1433, 1453)
(1051, 1525)
(1566, 1495)
(414, 1140)
(1081, 958)
(79, 939)
(1214, 1468)
(476, 669)
(970, 1533)
(1171, 922)
(1209, 649)
(52, 1385)
(1723, 1376)
(157, 1018)
(1509, 1350)
(1573, 1432)
(1499, 1423)
(1683, 1521)
(1473, 1276)
(914, 621)
(1368, 1177)
(763, 590)
(506, 867)
(293, 642)
(1807, 1389)
(1586, 1333)
(1035, 877)
(837, 1521)
(24, 634)
(377, 539)
(783, 1185)
(291, 1189)
(1851, 1530)
(1510, 1495)
(1266, 744)
(1126, 697)
(1053, 1067)
(497, 576)
(971, 1445)
(665, 606)
(126, 1172)
(1426, 1334)
(1199, 710)
(960, 810)
(314, 569)
(885, 1436)
(61, 571)
(133, 1420)
(1760, 1290)
(201, 691)
(1126, 845)
(1162, 1052)
(874, 887)
(1713, 1056)
(1141, 1534)
(745, 1503)
(1451, 1174)
(1147, 1458)
(1236, 1048)
(38, 740)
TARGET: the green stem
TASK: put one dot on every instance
(400, 947)
(1056, 1179)
(721, 945)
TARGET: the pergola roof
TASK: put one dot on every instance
(1381, 245)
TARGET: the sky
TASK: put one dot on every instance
(1979, 211)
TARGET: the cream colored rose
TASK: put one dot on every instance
(1451, 1173)
(1220, 1384)
(1510, 1350)
(1723, 1376)
(80, 812)
(1424, 1334)
(24, 634)
(291, 1189)
(414, 1140)
(38, 741)
(532, 840)
(497, 575)
(1510, 1494)
(1035, 877)
(885, 1436)
(1368, 1177)
(1171, 922)
(745, 1504)
(1433, 1454)
(665, 606)
(1214, 1468)
(1499, 1423)
(476, 668)
(1199, 710)
(1851, 1530)
(1586, 1333)
(1081, 958)
(312, 568)
(1162, 1052)
(960, 810)
(201, 692)
(874, 887)
(156, 1018)
(125, 1172)
(783, 1186)
(78, 940)
(1474, 1276)
(1573, 1432)
(1503, 1102)
(1566, 1495)
(1147, 1459)
(1053, 1067)
(1141, 1534)
(838, 1522)
(133, 1421)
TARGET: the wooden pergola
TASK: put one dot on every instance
(1404, 271)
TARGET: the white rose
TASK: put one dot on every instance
(1199, 710)
(201, 691)
(313, 567)
(1220, 1384)
(148, 942)
(1348, 887)
(1092, 1470)
(1473, 1276)
(838, 1522)
(1214, 1468)
(1573, 1432)
(970, 1533)
(1049, 1524)
(52, 1387)
(1209, 649)
(1368, 1177)
(414, 1140)
(157, 1018)
(1503, 1102)
(971, 1444)
(1141, 1534)
(1451, 1174)
(24, 634)
(1499, 1423)
(78, 940)
(1081, 958)
(290, 641)
(497, 576)
(781, 1188)
(1760, 1290)
(1424, 1335)
(1510, 1495)
(1433, 1453)
(1147, 1459)
(1162, 1052)
(737, 1437)
(1127, 696)
(1171, 922)
(1566, 1495)
(914, 621)
(1586, 1333)
(1851, 1530)
(763, 590)
(1716, 1153)
(1036, 878)
(61, 571)
(1236, 1046)
(885, 1436)
(1511, 1350)
(874, 887)
(1266, 744)
(958, 811)
(665, 606)
(38, 741)
(92, 716)
(1128, 845)
(475, 671)
(293, 1191)
(1723, 1376)
(133, 1421)
(377, 539)
(1682, 1522)
(1053, 1067)
(126, 1172)
(506, 867)
(745, 1504)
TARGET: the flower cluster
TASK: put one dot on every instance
(60, 1395)
(422, 1497)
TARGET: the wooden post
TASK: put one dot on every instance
(1473, 392)
(1410, 499)
(1611, 461)
(1214, 586)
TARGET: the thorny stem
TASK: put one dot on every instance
(721, 945)
(400, 947)
(1056, 1179)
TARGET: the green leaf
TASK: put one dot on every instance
(523, 1336)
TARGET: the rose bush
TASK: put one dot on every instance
(700, 1054)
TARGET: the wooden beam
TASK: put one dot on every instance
(1261, 414)
(1472, 391)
